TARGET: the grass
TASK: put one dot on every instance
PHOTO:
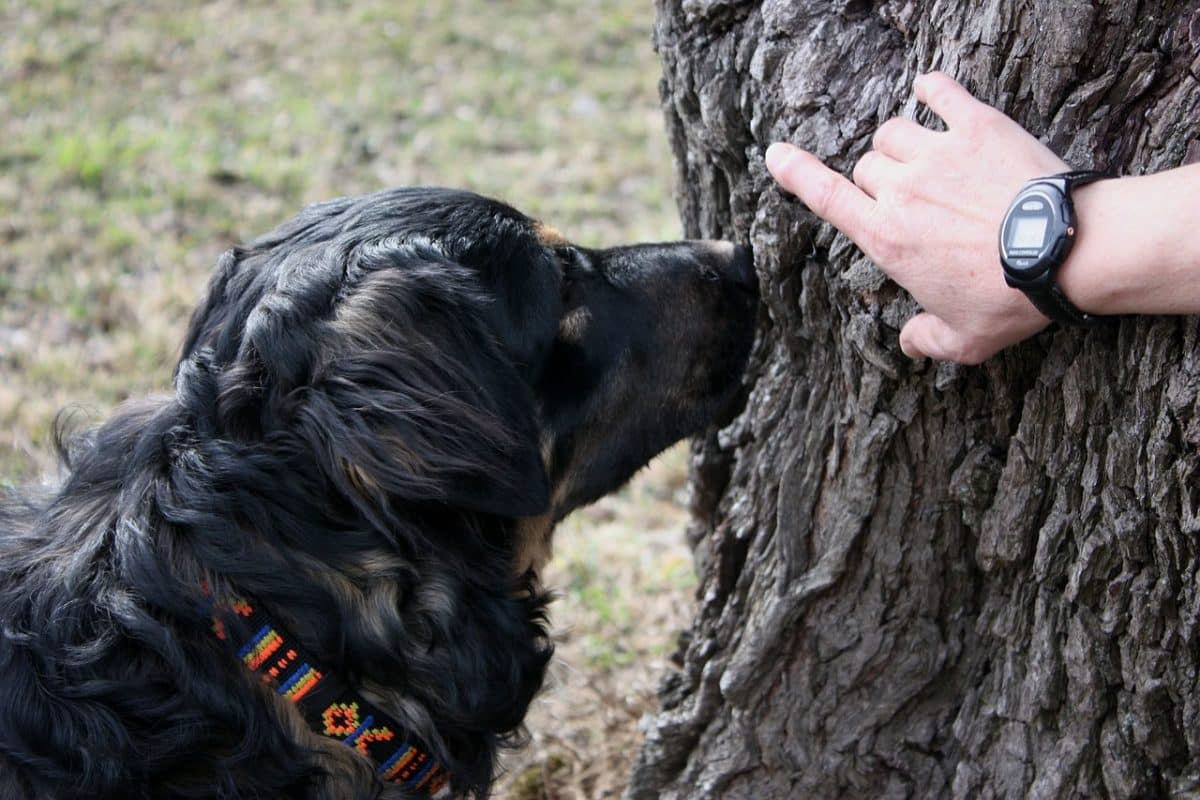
(625, 582)
(142, 139)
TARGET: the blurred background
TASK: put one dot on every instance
(140, 140)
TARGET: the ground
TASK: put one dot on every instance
(141, 140)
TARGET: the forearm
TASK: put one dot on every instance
(1137, 250)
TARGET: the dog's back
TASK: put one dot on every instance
(110, 680)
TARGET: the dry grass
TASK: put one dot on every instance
(141, 139)
(625, 582)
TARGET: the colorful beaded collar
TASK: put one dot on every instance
(328, 705)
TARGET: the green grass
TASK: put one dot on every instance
(141, 139)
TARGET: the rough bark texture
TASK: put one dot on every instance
(922, 580)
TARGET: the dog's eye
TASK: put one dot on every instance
(574, 265)
(572, 260)
(566, 262)
(569, 268)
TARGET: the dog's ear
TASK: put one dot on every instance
(415, 398)
(523, 280)
(404, 373)
(511, 480)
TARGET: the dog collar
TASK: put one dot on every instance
(328, 704)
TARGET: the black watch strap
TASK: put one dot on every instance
(1055, 305)
(1082, 177)
(1050, 299)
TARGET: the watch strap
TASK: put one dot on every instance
(1082, 177)
(1050, 299)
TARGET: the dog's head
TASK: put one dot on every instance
(434, 345)
(649, 348)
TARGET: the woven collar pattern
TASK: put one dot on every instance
(328, 705)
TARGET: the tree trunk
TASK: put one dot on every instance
(923, 580)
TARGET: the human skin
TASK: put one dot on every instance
(926, 207)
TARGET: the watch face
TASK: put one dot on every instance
(1032, 229)
(1027, 232)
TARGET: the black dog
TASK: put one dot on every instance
(329, 534)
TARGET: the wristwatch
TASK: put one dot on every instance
(1035, 239)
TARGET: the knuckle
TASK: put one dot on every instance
(884, 243)
(886, 133)
(936, 90)
(863, 167)
(980, 120)
(826, 196)
(903, 190)
(991, 120)
(972, 129)
(940, 82)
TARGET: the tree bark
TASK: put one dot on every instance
(924, 580)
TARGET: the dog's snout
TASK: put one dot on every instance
(733, 263)
(741, 268)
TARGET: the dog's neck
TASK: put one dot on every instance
(328, 704)
(534, 543)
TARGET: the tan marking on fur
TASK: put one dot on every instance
(573, 326)
(357, 318)
(573, 475)
(359, 478)
(548, 235)
(535, 543)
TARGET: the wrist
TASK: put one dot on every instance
(1095, 276)
(1136, 249)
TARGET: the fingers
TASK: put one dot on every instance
(927, 336)
(875, 171)
(903, 139)
(948, 99)
(828, 194)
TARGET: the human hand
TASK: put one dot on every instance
(926, 207)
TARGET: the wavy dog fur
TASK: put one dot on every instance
(360, 425)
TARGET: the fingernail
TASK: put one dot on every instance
(779, 154)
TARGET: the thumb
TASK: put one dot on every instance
(927, 336)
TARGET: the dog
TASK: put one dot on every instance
(330, 533)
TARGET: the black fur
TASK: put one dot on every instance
(370, 403)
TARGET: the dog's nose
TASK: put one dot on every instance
(734, 263)
(741, 268)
